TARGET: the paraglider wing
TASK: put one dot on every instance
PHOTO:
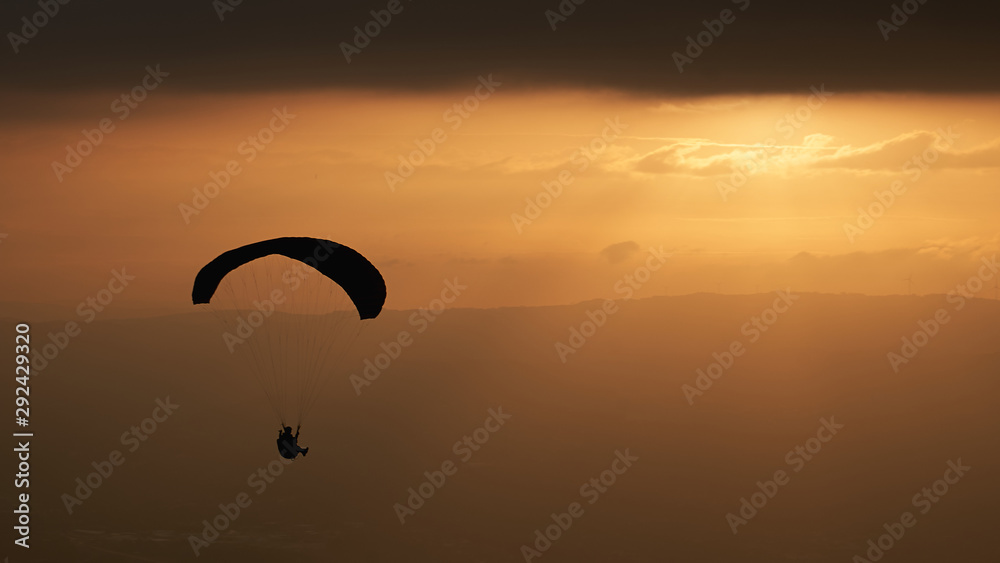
(353, 272)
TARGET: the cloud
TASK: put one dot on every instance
(818, 151)
(959, 251)
(776, 46)
(620, 251)
(701, 157)
(971, 248)
(983, 156)
(698, 157)
(890, 154)
(935, 148)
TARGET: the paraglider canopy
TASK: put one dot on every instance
(359, 278)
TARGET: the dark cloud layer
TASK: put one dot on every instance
(771, 46)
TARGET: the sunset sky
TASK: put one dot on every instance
(777, 201)
(847, 115)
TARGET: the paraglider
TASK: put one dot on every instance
(288, 445)
(291, 307)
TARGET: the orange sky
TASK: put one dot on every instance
(655, 184)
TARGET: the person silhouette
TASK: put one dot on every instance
(288, 444)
